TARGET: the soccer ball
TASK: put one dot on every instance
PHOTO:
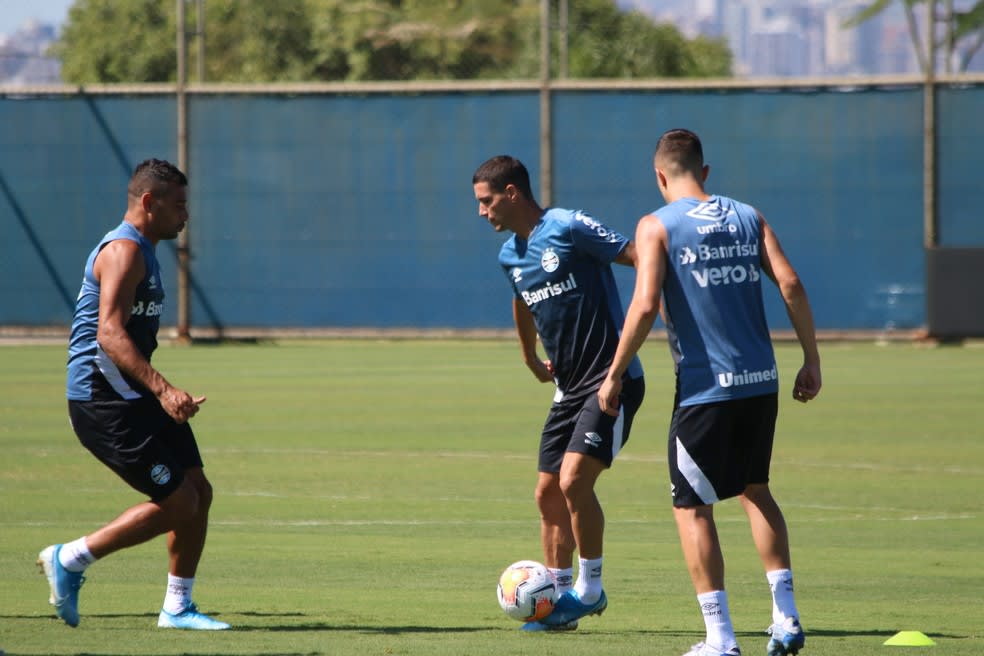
(527, 591)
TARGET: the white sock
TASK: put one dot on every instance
(563, 578)
(178, 595)
(717, 620)
(588, 585)
(75, 556)
(783, 601)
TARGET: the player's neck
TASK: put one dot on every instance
(686, 189)
(139, 223)
(530, 220)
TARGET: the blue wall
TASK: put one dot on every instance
(357, 210)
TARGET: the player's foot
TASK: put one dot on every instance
(704, 649)
(189, 618)
(570, 608)
(787, 638)
(64, 585)
(540, 626)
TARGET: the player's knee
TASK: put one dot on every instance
(182, 504)
(205, 494)
(575, 487)
(757, 493)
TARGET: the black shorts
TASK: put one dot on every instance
(579, 426)
(138, 441)
(716, 450)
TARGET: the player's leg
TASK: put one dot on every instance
(124, 436)
(143, 522)
(705, 563)
(594, 443)
(186, 541)
(768, 525)
(701, 468)
(556, 534)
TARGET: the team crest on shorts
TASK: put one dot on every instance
(160, 474)
(549, 260)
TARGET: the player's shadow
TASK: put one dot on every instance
(811, 632)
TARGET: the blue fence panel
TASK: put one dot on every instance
(357, 210)
(351, 211)
(64, 164)
(960, 155)
(837, 174)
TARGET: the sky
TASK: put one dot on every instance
(14, 13)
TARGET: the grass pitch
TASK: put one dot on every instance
(368, 493)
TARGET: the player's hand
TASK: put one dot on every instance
(543, 370)
(179, 404)
(608, 396)
(807, 384)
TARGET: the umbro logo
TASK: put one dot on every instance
(593, 439)
(710, 212)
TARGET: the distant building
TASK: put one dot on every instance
(23, 58)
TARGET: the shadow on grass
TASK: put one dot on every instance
(274, 626)
(361, 628)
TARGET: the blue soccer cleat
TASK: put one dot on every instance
(64, 585)
(787, 638)
(189, 618)
(569, 608)
(540, 626)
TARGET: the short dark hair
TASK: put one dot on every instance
(504, 170)
(679, 151)
(155, 176)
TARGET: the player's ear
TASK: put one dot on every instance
(707, 170)
(147, 201)
(660, 179)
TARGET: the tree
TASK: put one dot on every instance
(608, 43)
(354, 40)
(962, 30)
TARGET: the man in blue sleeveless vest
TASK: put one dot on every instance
(558, 263)
(126, 413)
(705, 255)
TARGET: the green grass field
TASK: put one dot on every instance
(368, 493)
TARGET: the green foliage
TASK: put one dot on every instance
(110, 41)
(607, 43)
(325, 40)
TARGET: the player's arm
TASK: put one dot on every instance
(643, 309)
(777, 266)
(119, 268)
(628, 255)
(526, 331)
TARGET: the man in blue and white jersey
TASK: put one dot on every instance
(126, 413)
(558, 263)
(704, 256)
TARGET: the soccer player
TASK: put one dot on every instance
(558, 262)
(705, 254)
(126, 413)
